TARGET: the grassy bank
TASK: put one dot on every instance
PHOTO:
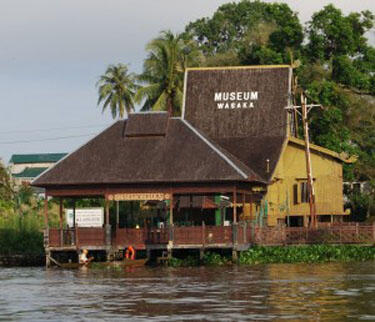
(21, 234)
(285, 254)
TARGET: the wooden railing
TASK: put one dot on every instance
(195, 235)
(90, 236)
(125, 237)
(350, 234)
(54, 237)
(214, 236)
(76, 237)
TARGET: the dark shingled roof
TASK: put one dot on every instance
(182, 155)
(252, 135)
(147, 124)
(209, 143)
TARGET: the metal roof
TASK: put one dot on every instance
(29, 173)
(36, 158)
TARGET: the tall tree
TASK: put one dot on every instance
(258, 32)
(116, 89)
(6, 189)
(163, 72)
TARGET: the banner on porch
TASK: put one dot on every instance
(139, 196)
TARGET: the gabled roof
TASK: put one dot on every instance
(36, 158)
(29, 173)
(318, 149)
(253, 129)
(182, 154)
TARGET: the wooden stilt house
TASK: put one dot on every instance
(229, 159)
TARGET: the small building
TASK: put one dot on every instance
(230, 159)
(26, 167)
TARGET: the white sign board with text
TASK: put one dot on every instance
(86, 217)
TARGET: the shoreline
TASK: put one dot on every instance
(318, 253)
(22, 260)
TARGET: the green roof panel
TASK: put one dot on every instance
(36, 158)
(29, 173)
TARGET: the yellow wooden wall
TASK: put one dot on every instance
(291, 169)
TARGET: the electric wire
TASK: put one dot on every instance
(48, 139)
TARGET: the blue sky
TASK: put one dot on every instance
(52, 52)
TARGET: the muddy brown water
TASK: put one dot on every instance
(335, 291)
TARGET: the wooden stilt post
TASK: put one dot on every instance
(74, 239)
(46, 230)
(235, 205)
(108, 237)
(117, 214)
(61, 222)
(74, 213)
(171, 210)
(243, 204)
(171, 228)
(251, 207)
(106, 211)
(45, 211)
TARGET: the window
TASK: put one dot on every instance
(295, 194)
(301, 193)
(305, 196)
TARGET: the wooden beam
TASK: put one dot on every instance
(61, 213)
(183, 189)
(251, 207)
(234, 205)
(117, 214)
(171, 210)
(74, 213)
(106, 211)
(243, 205)
(45, 211)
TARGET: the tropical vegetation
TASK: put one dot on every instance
(163, 72)
(334, 64)
(306, 254)
(21, 217)
(116, 90)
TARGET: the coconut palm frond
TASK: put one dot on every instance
(116, 88)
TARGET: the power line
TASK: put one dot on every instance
(48, 139)
(52, 129)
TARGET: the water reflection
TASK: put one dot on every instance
(264, 292)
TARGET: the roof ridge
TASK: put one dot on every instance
(224, 154)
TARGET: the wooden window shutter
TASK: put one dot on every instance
(295, 194)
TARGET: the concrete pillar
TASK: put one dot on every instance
(48, 261)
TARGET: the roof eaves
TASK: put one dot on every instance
(317, 148)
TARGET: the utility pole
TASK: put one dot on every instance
(310, 179)
(305, 109)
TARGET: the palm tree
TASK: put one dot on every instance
(116, 89)
(163, 74)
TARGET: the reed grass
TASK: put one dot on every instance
(21, 234)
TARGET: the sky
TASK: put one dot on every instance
(52, 53)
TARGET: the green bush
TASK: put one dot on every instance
(21, 234)
(306, 254)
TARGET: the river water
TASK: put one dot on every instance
(335, 291)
